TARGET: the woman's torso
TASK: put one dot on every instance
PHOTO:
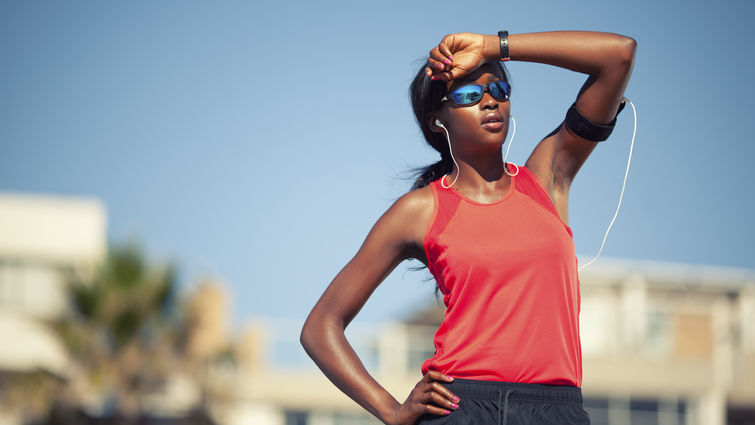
(508, 274)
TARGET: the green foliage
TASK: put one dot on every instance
(85, 300)
(125, 297)
(125, 267)
(123, 326)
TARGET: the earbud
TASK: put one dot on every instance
(448, 137)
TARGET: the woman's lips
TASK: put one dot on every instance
(493, 122)
(493, 125)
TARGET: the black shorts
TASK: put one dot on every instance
(506, 403)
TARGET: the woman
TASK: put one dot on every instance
(495, 237)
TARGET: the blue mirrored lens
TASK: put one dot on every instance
(467, 94)
(500, 90)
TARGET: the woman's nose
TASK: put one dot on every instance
(488, 101)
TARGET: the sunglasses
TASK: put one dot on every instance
(471, 94)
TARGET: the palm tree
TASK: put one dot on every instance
(121, 332)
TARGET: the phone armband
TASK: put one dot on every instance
(587, 129)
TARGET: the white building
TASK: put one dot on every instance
(43, 241)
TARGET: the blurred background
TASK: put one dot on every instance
(179, 182)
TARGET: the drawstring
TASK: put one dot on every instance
(505, 406)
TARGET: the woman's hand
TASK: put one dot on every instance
(428, 396)
(460, 54)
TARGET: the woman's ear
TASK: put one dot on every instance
(435, 124)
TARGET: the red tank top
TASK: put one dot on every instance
(508, 274)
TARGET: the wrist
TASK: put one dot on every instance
(503, 42)
(491, 49)
(390, 417)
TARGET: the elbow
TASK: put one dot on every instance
(627, 48)
(314, 333)
(307, 337)
(618, 57)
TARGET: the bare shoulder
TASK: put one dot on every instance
(412, 213)
(416, 201)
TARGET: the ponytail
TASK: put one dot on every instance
(426, 175)
(425, 95)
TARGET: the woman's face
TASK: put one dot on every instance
(481, 126)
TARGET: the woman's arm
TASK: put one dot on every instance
(393, 239)
(606, 58)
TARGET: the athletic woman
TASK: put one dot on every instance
(494, 235)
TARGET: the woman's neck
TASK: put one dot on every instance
(483, 174)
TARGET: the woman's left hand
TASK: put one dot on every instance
(459, 54)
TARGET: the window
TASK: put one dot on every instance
(296, 417)
(636, 411)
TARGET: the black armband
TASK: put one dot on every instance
(587, 129)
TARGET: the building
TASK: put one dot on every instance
(44, 241)
(47, 242)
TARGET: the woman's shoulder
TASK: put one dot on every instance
(411, 214)
(416, 201)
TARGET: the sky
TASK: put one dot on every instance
(258, 142)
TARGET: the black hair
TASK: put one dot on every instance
(426, 96)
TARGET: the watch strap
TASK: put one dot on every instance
(503, 38)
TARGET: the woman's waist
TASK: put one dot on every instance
(533, 358)
(520, 391)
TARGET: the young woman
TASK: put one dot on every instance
(495, 236)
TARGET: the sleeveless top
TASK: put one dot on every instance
(508, 274)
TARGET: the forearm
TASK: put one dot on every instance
(593, 53)
(326, 344)
(607, 58)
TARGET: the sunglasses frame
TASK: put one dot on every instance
(485, 88)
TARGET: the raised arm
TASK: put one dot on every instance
(397, 235)
(606, 58)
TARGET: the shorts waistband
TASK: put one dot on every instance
(492, 390)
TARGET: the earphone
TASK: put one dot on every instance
(623, 185)
(505, 157)
(448, 137)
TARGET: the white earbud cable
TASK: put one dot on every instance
(511, 141)
(505, 168)
(623, 185)
(443, 179)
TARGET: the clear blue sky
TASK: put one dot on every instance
(259, 141)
